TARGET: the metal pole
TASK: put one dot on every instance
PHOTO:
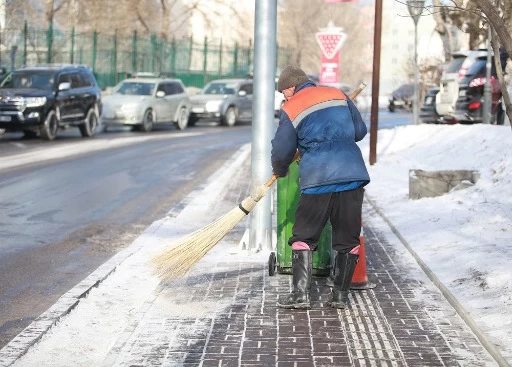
(134, 52)
(49, 42)
(153, 52)
(94, 49)
(220, 58)
(173, 55)
(25, 40)
(416, 77)
(72, 51)
(235, 59)
(374, 118)
(114, 59)
(486, 108)
(205, 59)
(260, 229)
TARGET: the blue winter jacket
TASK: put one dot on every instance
(324, 125)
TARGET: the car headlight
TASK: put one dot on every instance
(213, 106)
(128, 108)
(34, 101)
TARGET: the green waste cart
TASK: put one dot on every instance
(288, 193)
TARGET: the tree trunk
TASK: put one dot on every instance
(443, 31)
(497, 23)
(49, 11)
(503, 84)
(164, 30)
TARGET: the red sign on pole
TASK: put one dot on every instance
(330, 40)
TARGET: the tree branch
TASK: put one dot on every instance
(497, 24)
(499, 72)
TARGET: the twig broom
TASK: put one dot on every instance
(190, 249)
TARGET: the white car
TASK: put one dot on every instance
(144, 102)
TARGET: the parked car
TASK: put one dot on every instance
(43, 99)
(454, 71)
(402, 98)
(144, 102)
(225, 100)
(469, 105)
(428, 112)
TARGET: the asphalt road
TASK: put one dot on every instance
(61, 219)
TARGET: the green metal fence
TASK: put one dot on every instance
(115, 57)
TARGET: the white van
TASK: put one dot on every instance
(454, 72)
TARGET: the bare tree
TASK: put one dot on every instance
(52, 7)
(17, 11)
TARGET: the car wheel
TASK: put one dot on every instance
(147, 121)
(182, 122)
(48, 130)
(29, 134)
(192, 119)
(88, 128)
(391, 107)
(230, 117)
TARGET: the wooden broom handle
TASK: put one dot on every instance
(358, 90)
(271, 181)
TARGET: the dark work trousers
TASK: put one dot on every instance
(343, 209)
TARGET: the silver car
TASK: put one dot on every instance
(144, 102)
(224, 100)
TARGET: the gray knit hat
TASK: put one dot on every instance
(291, 76)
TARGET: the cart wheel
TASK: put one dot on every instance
(272, 264)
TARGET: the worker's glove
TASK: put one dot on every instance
(281, 173)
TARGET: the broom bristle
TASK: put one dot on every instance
(190, 249)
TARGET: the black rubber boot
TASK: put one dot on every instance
(302, 266)
(345, 266)
(330, 279)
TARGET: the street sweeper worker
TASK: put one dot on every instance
(324, 125)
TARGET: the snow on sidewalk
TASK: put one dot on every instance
(465, 236)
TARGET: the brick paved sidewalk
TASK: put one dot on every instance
(224, 313)
(227, 316)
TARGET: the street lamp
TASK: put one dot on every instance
(415, 9)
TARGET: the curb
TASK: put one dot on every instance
(466, 317)
(19, 346)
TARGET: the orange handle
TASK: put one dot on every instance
(271, 181)
(296, 156)
(358, 90)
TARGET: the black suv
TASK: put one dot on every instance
(43, 99)
(469, 105)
